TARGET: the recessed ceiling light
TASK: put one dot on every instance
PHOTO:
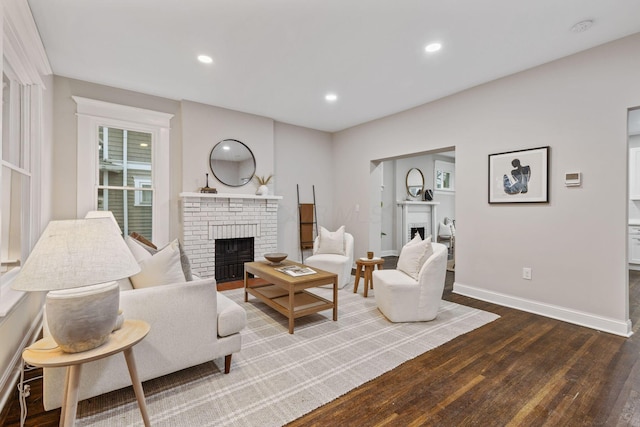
(205, 59)
(582, 26)
(331, 97)
(433, 47)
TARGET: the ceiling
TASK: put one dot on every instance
(279, 58)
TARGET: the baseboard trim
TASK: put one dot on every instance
(576, 317)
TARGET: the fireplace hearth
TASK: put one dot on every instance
(418, 230)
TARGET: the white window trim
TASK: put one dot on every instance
(440, 165)
(138, 183)
(91, 115)
(23, 50)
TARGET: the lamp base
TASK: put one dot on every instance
(80, 319)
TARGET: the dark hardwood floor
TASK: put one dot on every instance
(520, 370)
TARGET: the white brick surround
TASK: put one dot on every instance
(207, 217)
(418, 214)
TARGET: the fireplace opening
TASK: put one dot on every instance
(231, 254)
(419, 230)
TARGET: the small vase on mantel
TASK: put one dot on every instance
(263, 190)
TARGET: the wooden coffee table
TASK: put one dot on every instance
(286, 294)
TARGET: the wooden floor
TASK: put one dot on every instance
(520, 370)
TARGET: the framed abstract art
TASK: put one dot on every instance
(519, 176)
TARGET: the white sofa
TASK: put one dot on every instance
(191, 323)
(401, 298)
(334, 263)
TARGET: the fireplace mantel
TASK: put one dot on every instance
(414, 212)
(228, 196)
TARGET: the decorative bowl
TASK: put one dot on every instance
(275, 258)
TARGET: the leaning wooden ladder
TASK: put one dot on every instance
(308, 223)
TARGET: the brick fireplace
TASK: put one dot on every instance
(207, 218)
(418, 217)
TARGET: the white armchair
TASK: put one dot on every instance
(334, 263)
(401, 298)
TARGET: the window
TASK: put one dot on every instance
(125, 185)
(142, 197)
(123, 166)
(16, 177)
(22, 142)
(444, 177)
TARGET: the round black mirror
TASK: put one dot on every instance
(232, 163)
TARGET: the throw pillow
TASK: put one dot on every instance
(331, 242)
(162, 268)
(185, 263)
(138, 251)
(137, 243)
(444, 231)
(413, 256)
(452, 225)
(140, 238)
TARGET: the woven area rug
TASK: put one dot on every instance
(278, 377)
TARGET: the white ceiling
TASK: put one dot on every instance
(278, 58)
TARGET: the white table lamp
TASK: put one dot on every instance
(78, 261)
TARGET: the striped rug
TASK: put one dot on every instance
(278, 377)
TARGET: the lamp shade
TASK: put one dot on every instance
(75, 253)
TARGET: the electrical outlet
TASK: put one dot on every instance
(526, 273)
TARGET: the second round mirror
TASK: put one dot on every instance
(415, 182)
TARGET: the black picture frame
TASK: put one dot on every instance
(520, 176)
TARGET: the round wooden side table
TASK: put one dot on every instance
(368, 265)
(45, 353)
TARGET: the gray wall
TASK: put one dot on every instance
(394, 176)
(65, 141)
(576, 244)
(303, 157)
(294, 155)
(203, 126)
(577, 105)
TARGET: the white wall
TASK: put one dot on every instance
(65, 141)
(395, 173)
(577, 105)
(303, 157)
(576, 244)
(203, 126)
(294, 155)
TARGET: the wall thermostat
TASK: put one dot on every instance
(572, 179)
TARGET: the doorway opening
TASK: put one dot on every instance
(390, 187)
